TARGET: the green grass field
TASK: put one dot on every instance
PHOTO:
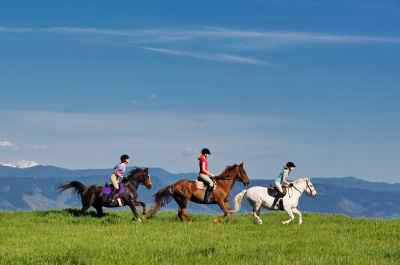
(61, 237)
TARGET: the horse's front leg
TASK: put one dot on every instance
(297, 211)
(291, 216)
(131, 205)
(143, 205)
(225, 208)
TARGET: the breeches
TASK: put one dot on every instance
(114, 181)
(207, 179)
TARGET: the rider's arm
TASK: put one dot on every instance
(119, 173)
(203, 169)
(285, 179)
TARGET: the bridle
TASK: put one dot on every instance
(307, 188)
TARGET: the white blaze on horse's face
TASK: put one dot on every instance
(310, 188)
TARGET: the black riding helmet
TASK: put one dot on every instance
(206, 151)
(290, 164)
(124, 158)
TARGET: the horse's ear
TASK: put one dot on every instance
(242, 164)
(146, 169)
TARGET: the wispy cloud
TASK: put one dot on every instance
(6, 144)
(219, 57)
(214, 34)
(225, 43)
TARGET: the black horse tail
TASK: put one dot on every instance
(161, 198)
(78, 187)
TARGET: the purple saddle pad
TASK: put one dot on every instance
(121, 188)
(107, 190)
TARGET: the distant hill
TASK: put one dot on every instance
(34, 188)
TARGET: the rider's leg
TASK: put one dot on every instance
(279, 188)
(297, 211)
(115, 195)
(210, 185)
(207, 180)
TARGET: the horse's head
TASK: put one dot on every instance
(242, 175)
(140, 176)
(310, 189)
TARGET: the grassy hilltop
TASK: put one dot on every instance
(62, 237)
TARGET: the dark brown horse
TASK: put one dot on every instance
(186, 190)
(93, 195)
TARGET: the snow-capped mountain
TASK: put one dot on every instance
(20, 164)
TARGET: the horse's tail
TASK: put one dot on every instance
(161, 198)
(238, 201)
(77, 186)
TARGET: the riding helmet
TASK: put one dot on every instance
(206, 151)
(290, 164)
(124, 157)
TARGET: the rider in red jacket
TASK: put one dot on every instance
(204, 174)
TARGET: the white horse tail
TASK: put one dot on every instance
(238, 201)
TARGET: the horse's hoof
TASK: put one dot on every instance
(137, 221)
(217, 221)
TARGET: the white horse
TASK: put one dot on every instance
(259, 198)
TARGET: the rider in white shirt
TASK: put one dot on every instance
(282, 179)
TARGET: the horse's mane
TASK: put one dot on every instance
(226, 171)
(301, 179)
(135, 170)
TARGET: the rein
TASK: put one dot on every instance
(294, 186)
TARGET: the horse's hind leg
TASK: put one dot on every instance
(86, 203)
(180, 215)
(297, 211)
(257, 211)
(99, 210)
(186, 216)
(182, 212)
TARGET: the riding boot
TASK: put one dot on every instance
(207, 193)
(277, 197)
(115, 201)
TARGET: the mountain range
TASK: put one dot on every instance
(34, 188)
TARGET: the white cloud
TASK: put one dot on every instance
(222, 41)
(6, 144)
(212, 34)
(219, 57)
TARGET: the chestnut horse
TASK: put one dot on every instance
(186, 190)
(93, 195)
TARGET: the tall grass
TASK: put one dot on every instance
(65, 237)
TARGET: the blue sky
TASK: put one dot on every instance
(260, 81)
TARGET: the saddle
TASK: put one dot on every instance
(202, 185)
(274, 192)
